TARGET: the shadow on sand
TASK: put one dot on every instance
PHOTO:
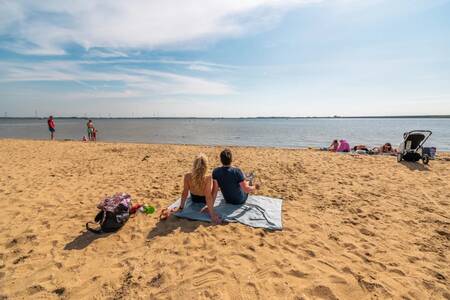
(163, 228)
(415, 166)
(84, 240)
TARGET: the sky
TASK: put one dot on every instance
(224, 58)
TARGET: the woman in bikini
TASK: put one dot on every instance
(199, 186)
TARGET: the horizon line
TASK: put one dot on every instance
(258, 117)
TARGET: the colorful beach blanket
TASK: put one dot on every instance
(258, 211)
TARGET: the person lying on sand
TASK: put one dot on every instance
(231, 180)
(334, 146)
(360, 148)
(199, 186)
(385, 149)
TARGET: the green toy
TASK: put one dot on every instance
(148, 209)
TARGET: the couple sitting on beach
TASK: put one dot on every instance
(203, 188)
(341, 146)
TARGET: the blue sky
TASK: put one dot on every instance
(224, 58)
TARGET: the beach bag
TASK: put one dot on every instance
(430, 151)
(114, 213)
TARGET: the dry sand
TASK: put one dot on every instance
(355, 227)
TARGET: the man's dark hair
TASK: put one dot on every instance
(226, 157)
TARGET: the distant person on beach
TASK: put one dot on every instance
(385, 149)
(344, 146)
(334, 146)
(199, 186)
(231, 180)
(51, 127)
(360, 148)
(90, 130)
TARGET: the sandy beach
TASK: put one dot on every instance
(355, 227)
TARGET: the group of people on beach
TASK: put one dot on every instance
(91, 130)
(203, 188)
(336, 146)
(344, 146)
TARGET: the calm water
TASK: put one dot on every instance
(244, 132)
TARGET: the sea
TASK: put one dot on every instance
(266, 132)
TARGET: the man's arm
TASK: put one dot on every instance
(247, 188)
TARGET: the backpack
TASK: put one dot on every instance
(114, 213)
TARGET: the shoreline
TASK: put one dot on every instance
(195, 145)
(238, 118)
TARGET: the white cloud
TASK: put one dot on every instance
(201, 68)
(195, 65)
(105, 53)
(142, 81)
(45, 27)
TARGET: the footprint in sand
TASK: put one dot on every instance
(208, 278)
(156, 281)
(310, 253)
(350, 246)
(397, 271)
(366, 232)
(249, 291)
(337, 280)
(20, 259)
(264, 271)
(35, 289)
(247, 256)
(323, 292)
(297, 273)
(59, 291)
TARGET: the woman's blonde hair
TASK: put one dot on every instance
(199, 169)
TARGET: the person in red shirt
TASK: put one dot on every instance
(51, 127)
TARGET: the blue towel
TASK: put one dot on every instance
(257, 211)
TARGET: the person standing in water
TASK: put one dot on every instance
(51, 127)
(90, 130)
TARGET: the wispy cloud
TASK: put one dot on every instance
(201, 68)
(142, 81)
(46, 27)
(193, 65)
(105, 53)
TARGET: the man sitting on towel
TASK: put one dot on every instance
(231, 180)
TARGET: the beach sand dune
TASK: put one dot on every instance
(355, 227)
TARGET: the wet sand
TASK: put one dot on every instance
(355, 227)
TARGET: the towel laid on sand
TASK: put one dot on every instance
(257, 211)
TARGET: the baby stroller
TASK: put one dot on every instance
(411, 149)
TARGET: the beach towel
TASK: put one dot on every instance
(257, 211)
